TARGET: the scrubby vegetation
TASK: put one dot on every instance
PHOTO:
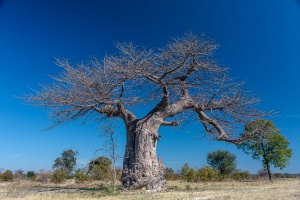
(95, 180)
(7, 176)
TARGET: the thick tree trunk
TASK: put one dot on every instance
(141, 167)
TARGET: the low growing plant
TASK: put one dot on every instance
(7, 176)
(31, 175)
(81, 176)
(207, 174)
(58, 176)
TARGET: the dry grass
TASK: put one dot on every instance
(279, 189)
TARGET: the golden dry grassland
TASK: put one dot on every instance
(279, 189)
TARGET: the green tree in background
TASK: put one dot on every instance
(269, 145)
(66, 162)
(223, 161)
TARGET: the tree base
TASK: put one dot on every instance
(138, 180)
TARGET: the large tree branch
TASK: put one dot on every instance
(186, 76)
(184, 103)
(172, 123)
(116, 111)
(207, 120)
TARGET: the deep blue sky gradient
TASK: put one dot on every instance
(259, 41)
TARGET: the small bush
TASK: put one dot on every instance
(170, 174)
(31, 175)
(287, 175)
(19, 174)
(101, 172)
(243, 175)
(188, 173)
(58, 176)
(109, 191)
(278, 175)
(263, 173)
(207, 174)
(43, 176)
(81, 176)
(119, 173)
(188, 188)
(7, 176)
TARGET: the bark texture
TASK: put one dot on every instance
(141, 166)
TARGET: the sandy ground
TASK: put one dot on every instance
(279, 189)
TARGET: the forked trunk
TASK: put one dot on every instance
(141, 167)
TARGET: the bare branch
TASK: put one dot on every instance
(173, 123)
(179, 77)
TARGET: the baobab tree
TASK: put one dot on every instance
(180, 77)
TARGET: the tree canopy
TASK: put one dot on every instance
(223, 161)
(269, 146)
(67, 161)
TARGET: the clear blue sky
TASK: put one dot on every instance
(259, 41)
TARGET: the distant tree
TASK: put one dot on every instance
(269, 145)
(31, 175)
(170, 170)
(19, 174)
(223, 161)
(66, 162)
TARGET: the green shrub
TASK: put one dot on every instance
(101, 172)
(287, 175)
(188, 173)
(278, 175)
(81, 176)
(100, 168)
(188, 188)
(31, 175)
(58, 176)
(243, 175)
(169, 174)
(207, 174)
(7, 176)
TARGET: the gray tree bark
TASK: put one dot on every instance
(141, 166)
